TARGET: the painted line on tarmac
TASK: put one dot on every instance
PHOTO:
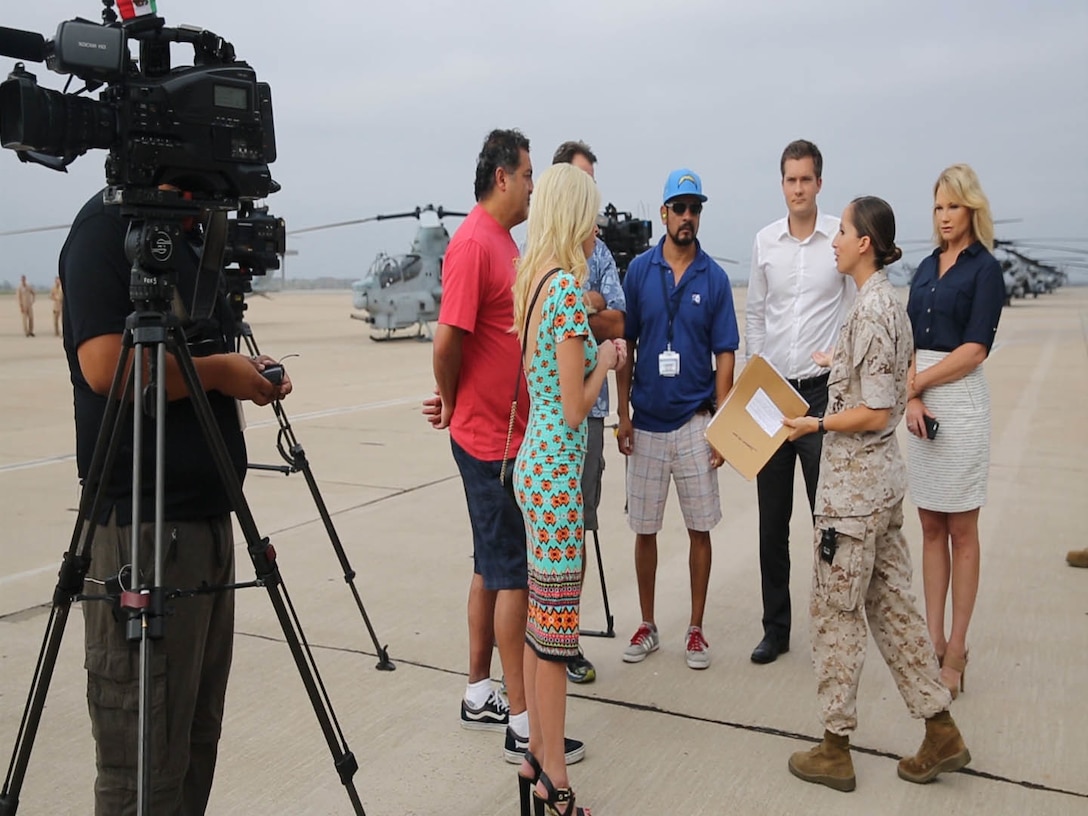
(681, 715)
(327, 412)
(33, 463)
(31, 573)
(348, 409)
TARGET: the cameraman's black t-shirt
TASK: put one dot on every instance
(95, 275)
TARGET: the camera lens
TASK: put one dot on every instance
(47, 121)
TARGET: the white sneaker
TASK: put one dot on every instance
(644, 641)
(697, 649)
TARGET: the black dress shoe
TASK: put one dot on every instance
(769, 649)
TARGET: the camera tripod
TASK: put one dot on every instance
(294, 455)
(154, 329)
(609, 631)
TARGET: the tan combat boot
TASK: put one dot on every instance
(942, 751)
(1077, 558)
(828, 763)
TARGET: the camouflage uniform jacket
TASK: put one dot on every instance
(862, 473)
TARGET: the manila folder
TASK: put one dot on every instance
(748, 429)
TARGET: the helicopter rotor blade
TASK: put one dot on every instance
(334, 226)
(442, 213)
(32, 230)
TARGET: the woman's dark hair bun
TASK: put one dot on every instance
(873, 218)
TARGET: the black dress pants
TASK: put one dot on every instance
(774, 487)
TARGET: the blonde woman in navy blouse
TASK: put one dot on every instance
(955, 304)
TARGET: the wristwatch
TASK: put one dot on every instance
(820, 425)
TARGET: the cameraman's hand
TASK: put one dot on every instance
(262, 362)
(239, 376)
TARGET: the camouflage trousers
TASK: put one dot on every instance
(869, 579)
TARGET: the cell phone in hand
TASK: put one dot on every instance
(932, 426)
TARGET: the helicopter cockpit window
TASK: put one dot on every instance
(411, 266)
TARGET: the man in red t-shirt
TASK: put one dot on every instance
(477, 368)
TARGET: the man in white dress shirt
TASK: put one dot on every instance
(797, 300)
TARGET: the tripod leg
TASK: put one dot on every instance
(263, 557)
(609, 631)
(70, 579)
(295, 456)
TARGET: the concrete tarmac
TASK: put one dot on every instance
(661, 739)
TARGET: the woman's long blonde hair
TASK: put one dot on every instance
(561, 218)
(961, 184)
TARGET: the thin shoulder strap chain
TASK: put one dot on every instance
(517, 382)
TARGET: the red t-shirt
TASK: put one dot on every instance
(477, 280)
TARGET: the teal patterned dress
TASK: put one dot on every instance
(548, 478)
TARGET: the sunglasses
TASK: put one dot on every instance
(681, 207)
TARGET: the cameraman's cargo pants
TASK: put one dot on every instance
(189, 668)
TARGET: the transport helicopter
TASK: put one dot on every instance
(402, 291)
(1023, 270)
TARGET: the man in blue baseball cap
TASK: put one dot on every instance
(681, 318)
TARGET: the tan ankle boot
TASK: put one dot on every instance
(942, 751)
(1077, 558)
(828, 763)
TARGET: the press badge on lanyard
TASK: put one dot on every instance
(668, 361)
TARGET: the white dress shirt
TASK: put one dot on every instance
(797, 298)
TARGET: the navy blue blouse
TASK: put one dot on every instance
(964, 306)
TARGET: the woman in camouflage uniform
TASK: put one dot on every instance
(862, 564)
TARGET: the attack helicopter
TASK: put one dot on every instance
(402, 291)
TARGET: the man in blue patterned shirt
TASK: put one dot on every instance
(606, 305)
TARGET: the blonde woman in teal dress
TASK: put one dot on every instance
(564, 368)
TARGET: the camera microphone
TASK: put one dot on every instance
(24, 45)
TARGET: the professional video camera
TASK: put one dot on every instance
(624, 235)
(205, 128)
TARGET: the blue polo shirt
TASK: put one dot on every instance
(962, 306)
(704, 324)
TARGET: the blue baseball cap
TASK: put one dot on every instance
(683, 182)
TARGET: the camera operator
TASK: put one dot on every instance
(192, 661)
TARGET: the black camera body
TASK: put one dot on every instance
(255, 241)
(206, 128)
(625, 236)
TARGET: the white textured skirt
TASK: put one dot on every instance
(949, 474)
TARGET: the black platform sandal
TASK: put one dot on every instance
(525, 784)
(556, 797)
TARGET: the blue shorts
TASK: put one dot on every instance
(498, 528)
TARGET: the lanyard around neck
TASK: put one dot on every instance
(671, 308)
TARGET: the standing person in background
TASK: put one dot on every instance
(862, 572)
(797, 300)
(955, 304)
(680, 314)
(57, 296)
(25, 296)
(565, 370)
(605, 304)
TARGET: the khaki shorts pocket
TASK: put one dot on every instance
(839, 583)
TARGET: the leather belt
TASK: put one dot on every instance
(810, 382)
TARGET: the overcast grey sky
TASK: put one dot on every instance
(380, 107)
